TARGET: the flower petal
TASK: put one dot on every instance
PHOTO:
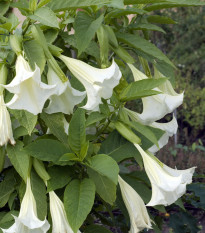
(167, 184)
(99, 83)
(29, 92)
(170, 129)
(65, 98)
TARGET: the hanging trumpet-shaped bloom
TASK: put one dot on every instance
(170, 129)
(29, 92)
(27, 221)
(6, 133)
(167, 184)
(139, 218)
(58, 214)
(99, 83)
(65, 98)
(157, 106)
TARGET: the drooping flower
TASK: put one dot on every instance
(170, 129)
(65, 97)
(27, 221)
(160, 104)
(99, 83)
(167, 184)
(6, 133)
(29, 92)
(58, 214)
(139, 218)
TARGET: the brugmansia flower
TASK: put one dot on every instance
(157, 106)
(29, 92)
(27, 221)
(6, 133)
(99, 83)
(58, 214)
(167, 184)
(139, 218)
(170, 129)
(65, 98)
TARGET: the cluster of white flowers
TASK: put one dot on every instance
(30, 94)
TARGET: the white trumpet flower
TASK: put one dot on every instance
(99, 83)
(160, 104)
(58, 214)
(170, 129)
(167, 184)
(29, 92)
(27, 221)
(6, 133)
(139, 218)
(65, 98)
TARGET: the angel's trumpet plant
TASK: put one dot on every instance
(30, 93)
(157, 106)
(27, 221)
(139, 218)
(99, 83)
(167, 184)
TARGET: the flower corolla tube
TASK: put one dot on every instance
(139, 218)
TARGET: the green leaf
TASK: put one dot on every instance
(96, 228)
(117, 4)
(119, 148)
(55, 123)
(77, 135)
(4, 6)
(25, 118)
(51, 35)
(19, 158)
(39, 192)
(160, 19)
(43, 2)
(174, 3)
(144, 130)
(35, 54)
(6, 188)
(60, 177)
(103, 170)
(116, 13)
(123, 54)
(78, 201)
(45, 16)
(140, 89)
(46, 149)
(126, 132)
(62, 5)
(144, 46)
(85, 28)
(146, 26)
(94, 117)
